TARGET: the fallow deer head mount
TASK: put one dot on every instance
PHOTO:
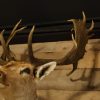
(17, 79)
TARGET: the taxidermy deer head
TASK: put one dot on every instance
(78, 50)
(18, 78)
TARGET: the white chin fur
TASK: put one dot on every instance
(2, 85)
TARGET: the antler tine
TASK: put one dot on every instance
(3, 41)
(84, 17)
(3, 59)
(14, 31)
(91, 27)
(30, 51)
(74, 41)
(10, 55)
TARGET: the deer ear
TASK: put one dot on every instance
(45, 70)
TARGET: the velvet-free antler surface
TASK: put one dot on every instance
(78, 50)
(7, 54)
(17, 79)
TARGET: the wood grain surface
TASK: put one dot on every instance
(58, 85)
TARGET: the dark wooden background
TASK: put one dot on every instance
(34, 11)
(54, 12)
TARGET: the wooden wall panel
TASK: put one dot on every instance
(58, 85)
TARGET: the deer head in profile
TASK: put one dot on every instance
(18, 78)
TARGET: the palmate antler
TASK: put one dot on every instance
(78, 50)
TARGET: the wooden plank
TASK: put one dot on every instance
(68, 95)
(59, 80)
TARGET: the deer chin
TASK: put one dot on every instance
(2, 85)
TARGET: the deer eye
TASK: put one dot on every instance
(25, 71)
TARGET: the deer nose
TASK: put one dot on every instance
(2, 76)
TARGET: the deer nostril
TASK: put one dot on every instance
(3, 78)
(0, 75)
